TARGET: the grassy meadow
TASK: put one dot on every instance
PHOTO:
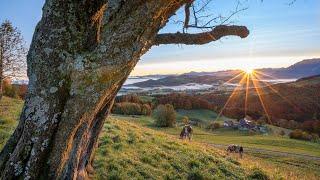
(9, 114)
(131, 147)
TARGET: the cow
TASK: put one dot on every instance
(232, 148)
(186, 132)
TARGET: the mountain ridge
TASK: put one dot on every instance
(301, 69)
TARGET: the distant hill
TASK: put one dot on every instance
(182, 79)
(305, 68)
(298, 100)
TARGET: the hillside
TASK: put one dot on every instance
(132, 148)
(273, 153)
(128, 151)
(297, 100)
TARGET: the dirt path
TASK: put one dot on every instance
(273, 152)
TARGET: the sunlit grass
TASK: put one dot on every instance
(129, 151)
(9, 114)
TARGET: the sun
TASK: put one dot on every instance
(248, 70)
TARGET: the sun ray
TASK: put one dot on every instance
(232, 94)
(247, 94)
(258, 90)
(266, 75)
(306, 89)
(269, 85)
(235, 77)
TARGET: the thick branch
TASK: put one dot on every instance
(201, 38)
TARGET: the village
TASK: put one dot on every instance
(246, 124)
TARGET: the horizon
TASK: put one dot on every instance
(235, 69)
(279, 39)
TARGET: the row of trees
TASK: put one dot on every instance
(185, 101)
(128, 108)
(14, 90)
(133, 98)
(311, 126)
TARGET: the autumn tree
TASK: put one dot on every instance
(12, 53)
(81, 54)
(165, 115)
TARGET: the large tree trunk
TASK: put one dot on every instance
(81, 54)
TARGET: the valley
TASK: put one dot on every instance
(132, 146)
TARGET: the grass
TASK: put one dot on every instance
(277, 166)
(225, 137)
(205, 115)
(9, 114)
(130, 151)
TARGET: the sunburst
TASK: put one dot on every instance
(248, 75)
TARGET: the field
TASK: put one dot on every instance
(127, 151)
(132, 147)
(9, 113)
(279, 156)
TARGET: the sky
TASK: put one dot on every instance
(280, 35)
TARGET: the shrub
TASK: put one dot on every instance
(296, 134)
(214, 126)
(302, 135)
(165, 115)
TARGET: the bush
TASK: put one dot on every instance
(214, 126)
(296, 134)
(302, 135)
(165, 115)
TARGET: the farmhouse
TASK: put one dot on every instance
(245, 124)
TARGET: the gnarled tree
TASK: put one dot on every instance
(81, 54)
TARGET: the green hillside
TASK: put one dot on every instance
(129, 151)
(131, 147)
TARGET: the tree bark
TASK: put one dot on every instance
(81, 54)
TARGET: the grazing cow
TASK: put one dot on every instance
(232, 148)
(186, 132)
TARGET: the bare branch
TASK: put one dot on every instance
(198, 15)
(187, 14)
(201, 38)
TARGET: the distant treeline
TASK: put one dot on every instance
(185, 101)
(131, 105)
(14, 90)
